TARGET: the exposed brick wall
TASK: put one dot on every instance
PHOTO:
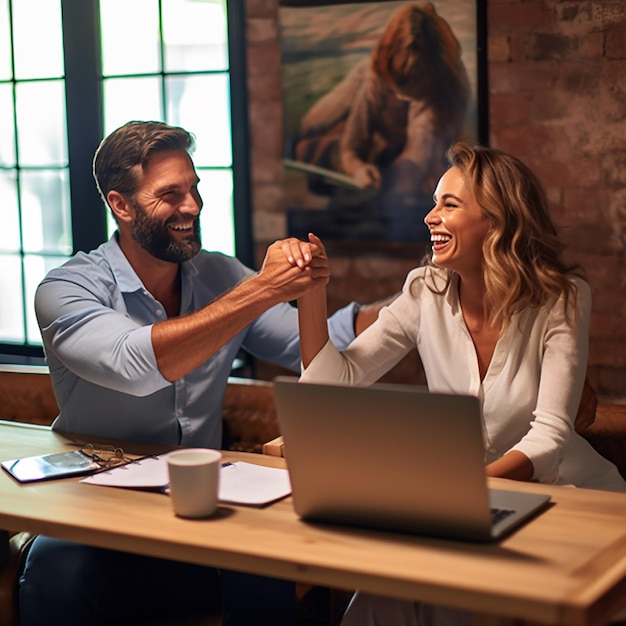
(557, 97)
(557, 100)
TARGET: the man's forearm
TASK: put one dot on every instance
(182, 344)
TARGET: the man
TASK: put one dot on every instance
(140, 337)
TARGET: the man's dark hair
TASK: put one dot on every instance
(134, 143)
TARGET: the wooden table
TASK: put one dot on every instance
(566, 567)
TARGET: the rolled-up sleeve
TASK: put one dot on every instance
(90, 334)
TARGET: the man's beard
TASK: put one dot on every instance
(155, 237)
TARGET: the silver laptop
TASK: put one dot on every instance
(393, 457)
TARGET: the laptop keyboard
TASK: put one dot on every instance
(497, 515)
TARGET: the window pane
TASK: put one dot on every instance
(5, 42)
(128, 99)
(10, 231)
(35, 268)
(45, 212)
(37, 27)
(7, 129)
(111, 224)
(130, 36)
(216, 218)
(11, 316)
(195, 35)
(41, 130)
(201, 104)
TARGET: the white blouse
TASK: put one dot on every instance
(530, 393)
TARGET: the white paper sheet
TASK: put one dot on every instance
(240, 483)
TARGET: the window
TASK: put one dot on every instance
(96, 65)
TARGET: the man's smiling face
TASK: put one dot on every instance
(167, 208)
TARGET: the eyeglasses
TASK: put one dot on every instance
(105, 455)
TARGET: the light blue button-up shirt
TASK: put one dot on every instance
(96, 318)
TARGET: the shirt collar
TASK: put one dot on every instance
(452, 295)
(125, 276)
(188, 272)
(128, 281)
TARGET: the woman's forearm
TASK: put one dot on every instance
(514, 465)
(312, 321)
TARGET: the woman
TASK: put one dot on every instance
(495, 313)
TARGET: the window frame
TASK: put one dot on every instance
(84, 108)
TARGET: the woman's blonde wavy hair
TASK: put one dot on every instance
(523, 266)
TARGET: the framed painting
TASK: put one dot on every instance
(374, 92)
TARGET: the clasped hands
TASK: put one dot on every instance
(293, 266)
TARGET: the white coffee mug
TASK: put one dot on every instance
(194, 481)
